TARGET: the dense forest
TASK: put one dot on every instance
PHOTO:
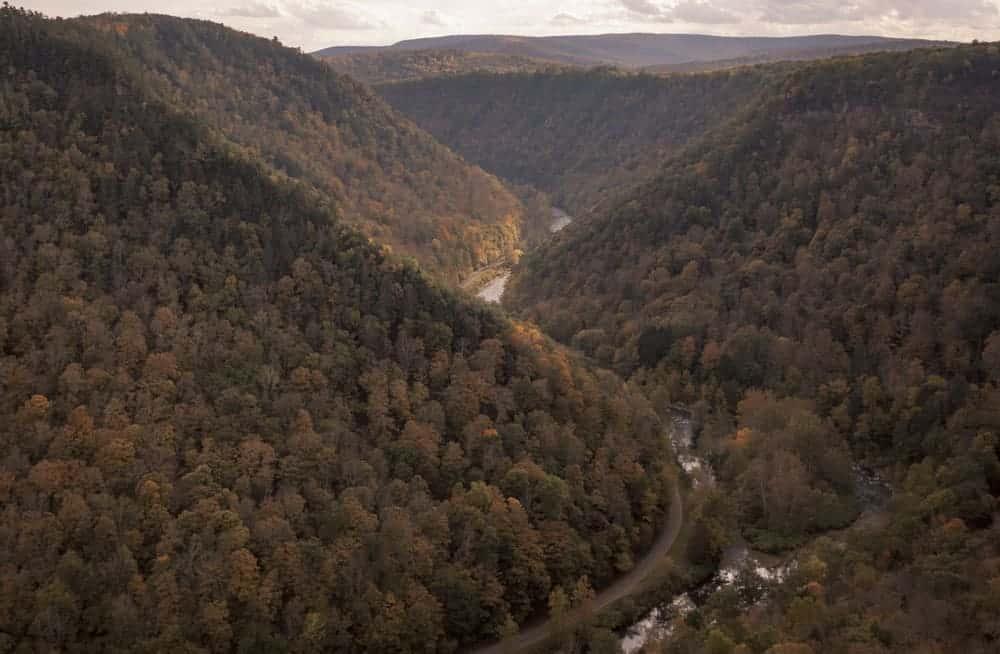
(310, 123)
(581, 136)
(818, 279)
(233, 424)
(244, 411)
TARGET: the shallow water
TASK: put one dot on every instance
(656, 624)
(493, 291)
(560, 219)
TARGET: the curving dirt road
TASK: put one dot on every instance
(625, 586)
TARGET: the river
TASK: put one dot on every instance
(752, 572)
(560, 221)
(493, 291)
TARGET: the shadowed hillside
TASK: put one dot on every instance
(582, 136)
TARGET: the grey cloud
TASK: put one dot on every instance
(804, 12)
(699, 11)
(936, 10)
(331, 16)
(432, 17)
(643, 8)
(687, 11)
(567, 20)
(252, 10)
(812, 12)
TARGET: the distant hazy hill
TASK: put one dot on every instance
(641, 50)
(806, 54)
(386, 66)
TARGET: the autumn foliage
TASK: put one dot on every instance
(232, 424)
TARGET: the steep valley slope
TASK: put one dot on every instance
(310, 123)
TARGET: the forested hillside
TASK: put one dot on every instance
(823, 276)
(382, 66)
(308, 122)
(581, 136)
(232, 424)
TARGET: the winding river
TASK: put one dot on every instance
(493, 291)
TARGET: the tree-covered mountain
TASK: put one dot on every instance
(385, 66)
(637, 50)
(822, 275)
(230, 423)
(581, 136)
(308, 122)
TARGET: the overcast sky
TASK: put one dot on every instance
(313, 24)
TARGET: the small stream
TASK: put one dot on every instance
(493, 291)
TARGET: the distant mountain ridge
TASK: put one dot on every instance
(638, 50)
(790, 56)
(389, 66)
